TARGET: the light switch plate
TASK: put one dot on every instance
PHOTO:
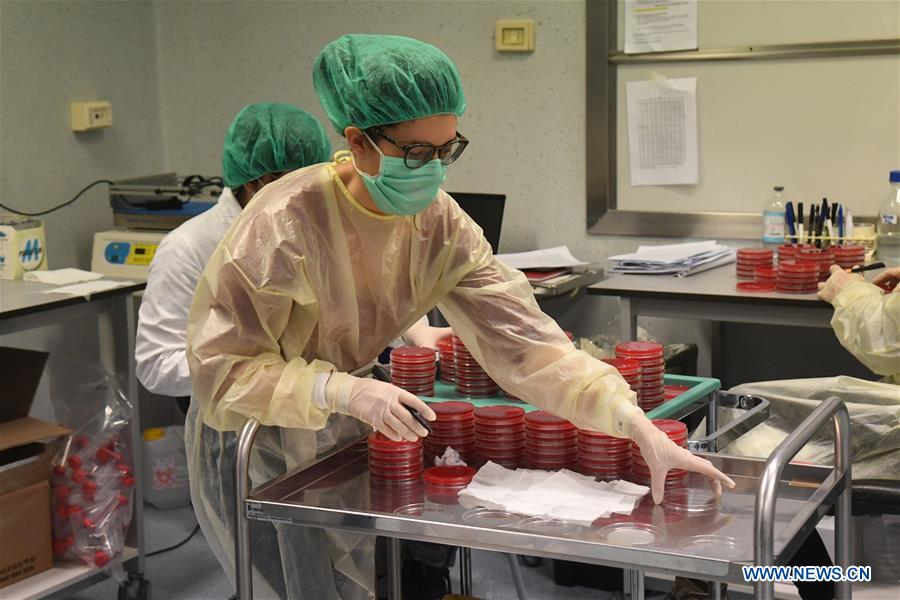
(91, 115)
(514, 36)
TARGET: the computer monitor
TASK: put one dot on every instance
(486, 210)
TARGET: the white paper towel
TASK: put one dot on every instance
(564, 494)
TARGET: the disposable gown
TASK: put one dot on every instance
(308, 281)
(867, 323)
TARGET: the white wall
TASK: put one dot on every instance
(52, 53)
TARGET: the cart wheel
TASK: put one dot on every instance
(136, 588)
(530, 561)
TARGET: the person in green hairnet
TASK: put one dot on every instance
(330, 263)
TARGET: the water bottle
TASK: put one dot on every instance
(888, 226)
(773, 220)
(165, 468)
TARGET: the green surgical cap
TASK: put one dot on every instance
(369, 80)
(271, 138)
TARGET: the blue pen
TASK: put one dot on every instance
(840, 220)
(789, 218)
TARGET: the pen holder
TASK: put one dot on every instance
(869, 241)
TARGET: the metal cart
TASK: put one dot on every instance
(776, 504)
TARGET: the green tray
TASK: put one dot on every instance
(700, 387)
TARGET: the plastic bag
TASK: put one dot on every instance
(92, 481)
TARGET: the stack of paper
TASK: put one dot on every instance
(563, 495)
(550, 258)
(673, 259)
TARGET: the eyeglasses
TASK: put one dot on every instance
(417, 155)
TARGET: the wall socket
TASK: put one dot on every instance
(91, 115)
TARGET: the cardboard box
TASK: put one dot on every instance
(26, 451)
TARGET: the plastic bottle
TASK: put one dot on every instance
(888, 227)
(165, 468)
(773, 220)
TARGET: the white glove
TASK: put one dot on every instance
(424, 335)
(379, 404)
(889, 279)
(661, 454)
(838, 280)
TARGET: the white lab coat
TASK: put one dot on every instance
(176, 268)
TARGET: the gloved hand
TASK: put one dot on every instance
(661, 454)
(838, 280)
(888, 280)
(424, 335)
(379, 404)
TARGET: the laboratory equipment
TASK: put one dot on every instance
(443, 484)
(773, 219)
(161, 202)
(471, 379)
(650, 355)
(22, 247)
(605, 457)
(165, 467)
(888, 227)
(393, 462)
(849, 256)
(749, 259)
(500, 435)
(414, 369)
(550, 441)
(455, 428)
(797, 277)
(445, 352)
(125, 254)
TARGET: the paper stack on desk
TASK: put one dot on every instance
(563, 494)
(673, 259)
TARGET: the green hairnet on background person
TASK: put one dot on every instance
(369, 80)
(271, 137)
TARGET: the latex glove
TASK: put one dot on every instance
(889, 279)
(838, 280)
(379, 404)
(424, 335)
(661, 454)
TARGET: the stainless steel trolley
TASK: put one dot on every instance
(776, 504)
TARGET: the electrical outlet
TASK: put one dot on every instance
(91, 115)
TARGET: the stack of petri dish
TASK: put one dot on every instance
(748, 259)
(603, 456)
(414, 369)
(551, 442)
(454, 427)
(767, 275)
(500, 435)
(630, 370)
(445, 352)
(394, 462)
(787, 251)
(849, 256)
(640, 472)
(797, 277)
(443, 484)
(824, 257)
(653, 367)
(471, 380)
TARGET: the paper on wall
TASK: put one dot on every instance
(662, 131)
(660, 25)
